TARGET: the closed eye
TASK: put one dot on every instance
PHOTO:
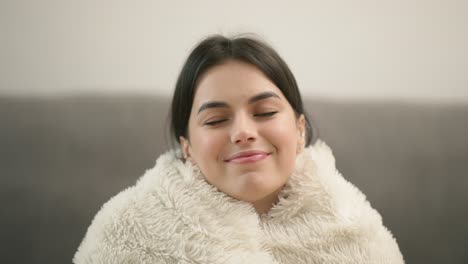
(267, 114)
(215, 122)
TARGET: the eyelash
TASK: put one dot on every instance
(267, 114)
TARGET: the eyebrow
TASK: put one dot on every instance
(262, 96)
(256, 98)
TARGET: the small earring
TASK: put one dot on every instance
(187, 158)
(301, 144)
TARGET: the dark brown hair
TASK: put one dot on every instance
(215, 50)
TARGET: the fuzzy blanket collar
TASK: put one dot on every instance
(172, 215)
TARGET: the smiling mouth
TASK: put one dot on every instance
(250, 158)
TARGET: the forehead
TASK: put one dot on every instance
(233, 82)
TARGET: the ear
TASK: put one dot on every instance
(301, 130)
(185, 146)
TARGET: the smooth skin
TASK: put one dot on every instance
(237, 109)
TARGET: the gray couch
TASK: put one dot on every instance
(62, 158)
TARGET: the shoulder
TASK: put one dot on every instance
(120, 231)
(357, 221)
(104, 238)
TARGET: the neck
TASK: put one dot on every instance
(264, 205)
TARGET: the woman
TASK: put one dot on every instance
(250, 182)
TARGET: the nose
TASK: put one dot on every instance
(243, 130)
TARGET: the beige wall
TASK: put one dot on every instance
(340, 48)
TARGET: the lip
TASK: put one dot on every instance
(250, 156)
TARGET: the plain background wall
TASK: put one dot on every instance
(399, 49)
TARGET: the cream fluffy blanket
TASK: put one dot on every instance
(172, 215)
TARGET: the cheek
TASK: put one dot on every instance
(282, 134)
(207, 146)
(207, 150)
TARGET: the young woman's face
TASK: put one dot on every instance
(243, 134)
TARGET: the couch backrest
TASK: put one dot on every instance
(62, 158)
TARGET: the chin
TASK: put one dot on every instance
(256, 193)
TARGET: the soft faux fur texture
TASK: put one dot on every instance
(172, 215)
